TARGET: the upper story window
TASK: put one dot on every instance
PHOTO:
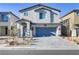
(4, 18)
(26, 14)
(77, 13)
(42, 15)
(52, 16)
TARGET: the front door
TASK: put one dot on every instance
(24, 31)
(6, 30)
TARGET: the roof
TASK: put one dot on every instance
(9, 13)
(75, 10)
(4, 12)
(23, 20)
(38, 5)
(14, 15)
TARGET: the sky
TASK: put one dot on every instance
(15, 7)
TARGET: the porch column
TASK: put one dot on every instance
(18, 30)
(21, 30)
(9, 30)
(29, 34)
(58, 31)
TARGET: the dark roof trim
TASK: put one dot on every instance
(75, 10)
(14, 15)
(4, 12)
(23, 20)
(46, 23)
(38, 6)
(9, 13)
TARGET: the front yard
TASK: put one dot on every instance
(42, 43)
(55, 43)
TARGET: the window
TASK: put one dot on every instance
(77, 32)
(4, 18)
(26, 14)
(77, 13)
(52, 17)
(42, 15)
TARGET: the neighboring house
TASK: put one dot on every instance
(39, 19)
(70, 22)
(7, 19)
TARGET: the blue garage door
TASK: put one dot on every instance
(45, 31)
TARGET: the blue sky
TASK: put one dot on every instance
(15, 7)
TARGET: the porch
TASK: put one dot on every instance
(24, 28)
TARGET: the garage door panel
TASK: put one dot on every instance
(43, 31)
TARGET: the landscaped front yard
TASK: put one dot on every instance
(42, 43)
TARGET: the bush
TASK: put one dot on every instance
(13, 43)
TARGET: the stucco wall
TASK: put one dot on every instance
(71, 18)
(11, 21)
(34, 16)
(76, 19)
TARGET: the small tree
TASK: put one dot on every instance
(13, 34)
(13, 31)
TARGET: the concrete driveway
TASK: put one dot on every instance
(53, 42)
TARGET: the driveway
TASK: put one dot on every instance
(46, 43)
(54, 43)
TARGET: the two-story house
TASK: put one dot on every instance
(39, 19)
(7, 19)
(71, 23)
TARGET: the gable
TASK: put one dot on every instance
(38, 6)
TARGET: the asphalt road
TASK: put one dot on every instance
(39, 52)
